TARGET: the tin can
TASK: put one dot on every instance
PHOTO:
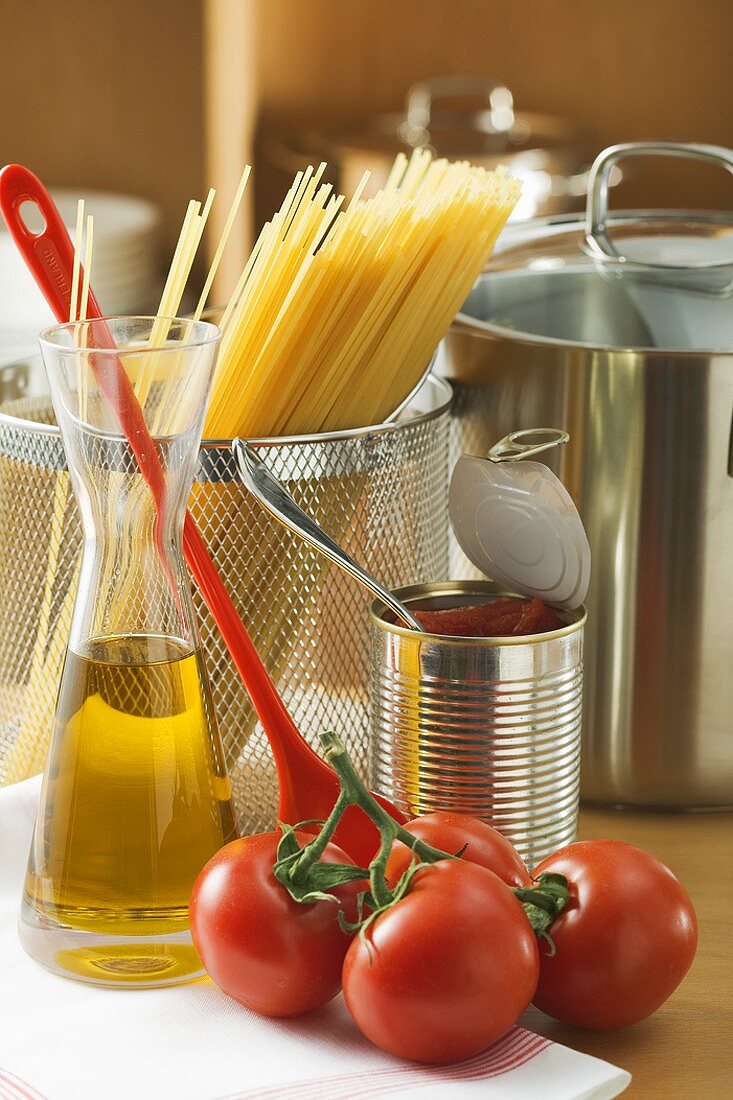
(483, 726)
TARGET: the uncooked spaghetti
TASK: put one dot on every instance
(337, 312)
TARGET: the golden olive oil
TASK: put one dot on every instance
(136, 798)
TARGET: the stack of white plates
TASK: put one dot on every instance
(125, 273)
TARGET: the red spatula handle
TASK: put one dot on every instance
(308, 786)
(49, 253)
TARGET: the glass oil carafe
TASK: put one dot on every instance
(135, 795)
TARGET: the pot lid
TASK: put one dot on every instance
(637, 279)
(460, 117)
(463, 117)
(517, 522)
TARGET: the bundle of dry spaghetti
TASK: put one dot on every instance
(337, 311)
(336, 314)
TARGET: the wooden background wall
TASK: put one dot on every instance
(626, 69)
(160, 97)
(106, 94)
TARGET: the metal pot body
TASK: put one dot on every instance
(619, 328)
(650, 470)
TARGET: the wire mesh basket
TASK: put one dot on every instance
(382, 492)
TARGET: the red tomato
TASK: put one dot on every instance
(450, 832)
(275, 955)
(447, 969)
(623, 943)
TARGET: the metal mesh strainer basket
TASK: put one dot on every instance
(382, 492)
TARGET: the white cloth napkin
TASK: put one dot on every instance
(61, 1040)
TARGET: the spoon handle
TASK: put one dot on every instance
(273, 496)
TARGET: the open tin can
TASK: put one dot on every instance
(483, 726)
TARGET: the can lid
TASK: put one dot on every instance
(518, 524)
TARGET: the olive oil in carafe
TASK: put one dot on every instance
(136, 800)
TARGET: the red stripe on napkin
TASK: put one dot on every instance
(509, 1052)
(13, 1088)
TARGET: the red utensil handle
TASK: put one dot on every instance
(49, 255)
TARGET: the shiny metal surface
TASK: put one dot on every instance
(459, 117)
(482, 726)
(599, 181)
(384, 490)
(517, 445)
(649, 470)
(498, 116)
(273, 496)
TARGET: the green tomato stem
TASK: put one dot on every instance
(544, 901)
(301, 871)
(307, 879)
(358, 795)
(314, 850)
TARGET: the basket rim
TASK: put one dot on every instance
(443, 401)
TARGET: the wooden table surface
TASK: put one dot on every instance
(686, 1049)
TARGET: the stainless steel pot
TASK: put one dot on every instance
(460, 117)
(619, 329)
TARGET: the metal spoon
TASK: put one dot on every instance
(273, 496)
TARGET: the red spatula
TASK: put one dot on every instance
(308, 786)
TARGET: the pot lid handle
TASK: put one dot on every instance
(597, 240)
(498, 119)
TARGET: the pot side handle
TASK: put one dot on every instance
(597, 240)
